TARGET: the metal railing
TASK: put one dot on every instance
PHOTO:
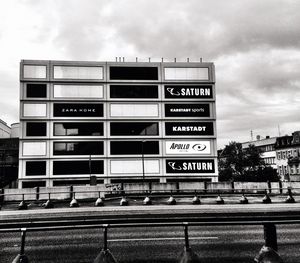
(269, 250)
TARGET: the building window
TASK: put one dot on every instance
(35, 110)
(133, 73)
(278, 155)
(36, 90)
(78, 91)
(186, 74)
(35, 168)
(134, 167)
(133, 128)
(32, 184)
(78, 148)
(134, 147)
(36, 129)
(77, 167)
(34, 72)
(34, 148)
(72, 72)
(134, 110)
(78, 129)
(134, 91)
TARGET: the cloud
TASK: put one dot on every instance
(255, 46)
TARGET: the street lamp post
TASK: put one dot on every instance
(143, 161)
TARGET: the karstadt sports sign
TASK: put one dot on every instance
(188, 147)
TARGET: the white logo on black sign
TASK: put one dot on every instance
(171, 91)
(174, 166)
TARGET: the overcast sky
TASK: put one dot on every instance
(255, 45)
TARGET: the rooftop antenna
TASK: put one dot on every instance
(188, 60)
(200, 60)
(175, 60)
(149, 59)
(251, 132)
(136, 59)
(162, 59)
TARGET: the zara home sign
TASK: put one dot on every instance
(77, 110)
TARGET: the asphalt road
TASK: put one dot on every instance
(226, 244)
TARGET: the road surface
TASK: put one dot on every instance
(226, 244)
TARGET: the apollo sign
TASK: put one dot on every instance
(185, 92)
(190, 166)
(188, 147)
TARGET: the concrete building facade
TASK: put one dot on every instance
(111, 122)
(267, 148)
(5, 130)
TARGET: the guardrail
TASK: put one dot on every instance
(100, 196)
(268, 253)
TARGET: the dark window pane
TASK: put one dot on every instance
(134, 73)
(134, 91)
(74, 182)
(77, 167)
(78, 148)
(36, 129)
(33, 184)
(78, 129)
(134, 147)
(36, 90)
(133, 128)
(36, 168)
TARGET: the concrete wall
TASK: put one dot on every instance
(92, 192)
(251, 186)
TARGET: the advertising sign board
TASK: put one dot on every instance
(188, 92)
(188, 147)
(187, 110)
(190, 166)
(189, 128)
(77, 110)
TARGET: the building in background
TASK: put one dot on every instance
(267, 148)
(9, 154)
(116, 122)
(5, 130)
(288, 152)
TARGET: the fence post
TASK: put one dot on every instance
(71, 192)
(270, 236)
(268, 253)
(188, 256)
(1, 197)
(269, 186)
(280, 187)
(105, 256)
(37, 195)
(22, 257)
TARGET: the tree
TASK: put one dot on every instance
(238, 164)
